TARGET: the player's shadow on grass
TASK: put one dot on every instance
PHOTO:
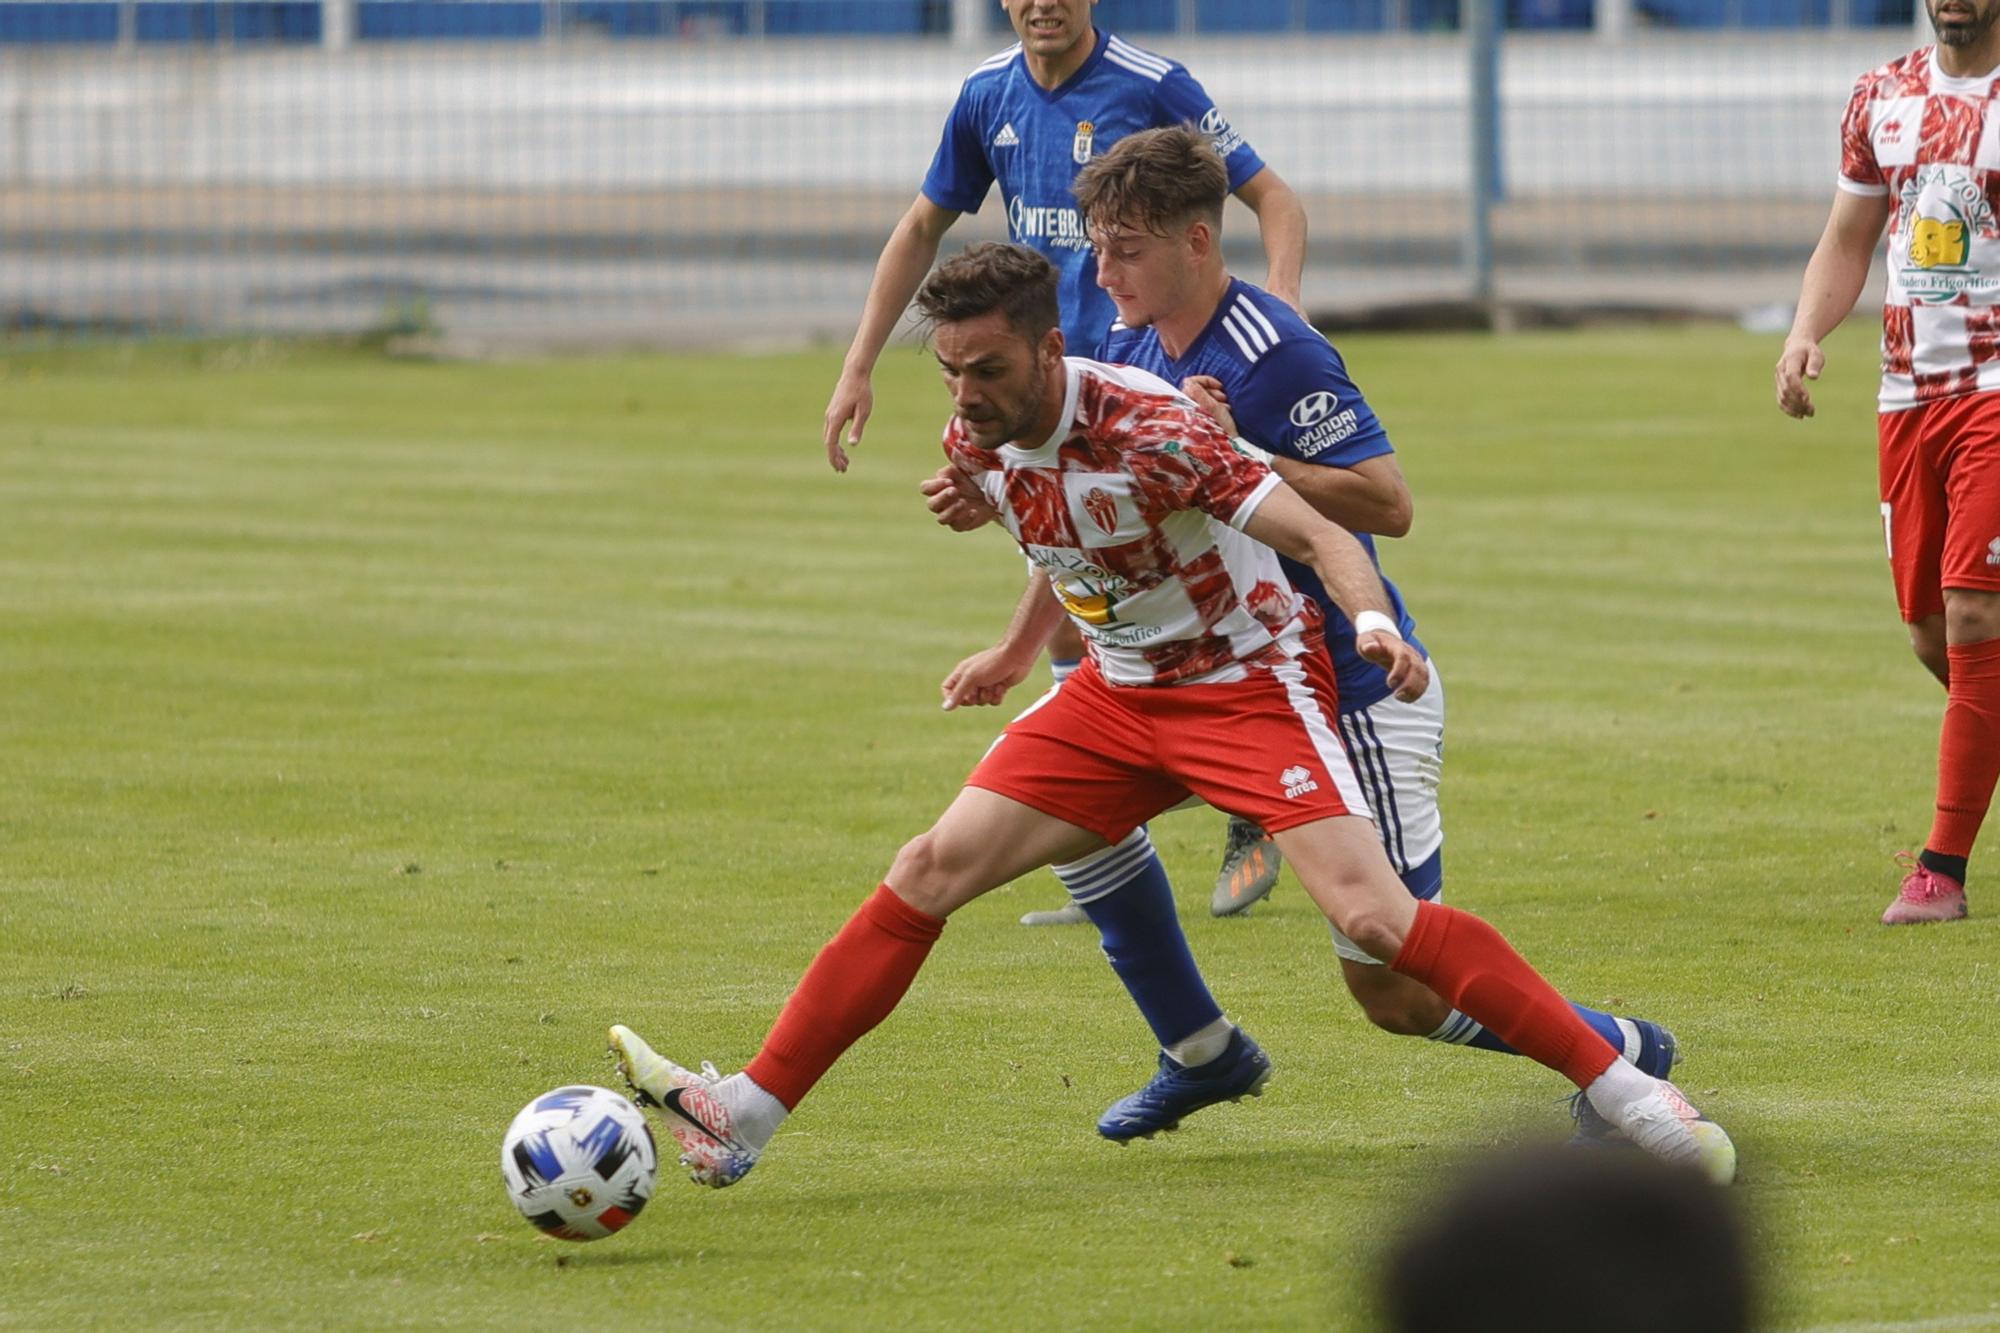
(625, 1256)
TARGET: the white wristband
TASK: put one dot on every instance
(1374, 622)
(1250, 450)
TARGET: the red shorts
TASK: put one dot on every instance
(1940, 470)
(1110, 759)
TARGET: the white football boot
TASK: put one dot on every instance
(1666, 1124)
(702, 1125)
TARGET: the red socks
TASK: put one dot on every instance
(1470, 964)
(858, 978)
(1969, 748)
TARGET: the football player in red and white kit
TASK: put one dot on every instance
(1920, 152)
(1206, 677)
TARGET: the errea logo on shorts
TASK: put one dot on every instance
(1993, 552)
(1297, 781)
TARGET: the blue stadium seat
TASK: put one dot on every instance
(205, 21)
(1784, 13)
(64, 22)
(1736, 13)
(618, 18)
(1126, 17)
(447, 20)
(1345, 15)
(1547, 14)
(782, 18)
(1244, 15)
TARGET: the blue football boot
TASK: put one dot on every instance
(1177, 1090)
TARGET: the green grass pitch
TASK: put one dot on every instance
(374, 733)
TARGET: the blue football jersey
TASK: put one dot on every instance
(1290, 393)
(1005, 127)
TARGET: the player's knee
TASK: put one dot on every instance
(1395, 1014)
(921, 875)
(1376, 932)
(1970, 617)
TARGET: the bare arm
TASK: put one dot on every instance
(984, 678)
(1281, 221)
(1370, 496)
(1834, 278)
(1287, 524)
(907, 256)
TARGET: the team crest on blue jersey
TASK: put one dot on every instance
(1079, 147)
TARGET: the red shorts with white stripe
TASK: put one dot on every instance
(1940, 475)
(1109, 759)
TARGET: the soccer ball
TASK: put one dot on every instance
(579, 1162)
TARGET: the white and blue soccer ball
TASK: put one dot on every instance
(579, 1162)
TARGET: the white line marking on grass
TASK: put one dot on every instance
(1950, 1321)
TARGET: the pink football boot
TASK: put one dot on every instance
(1925, 896)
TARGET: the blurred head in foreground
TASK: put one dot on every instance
(1572, 1240)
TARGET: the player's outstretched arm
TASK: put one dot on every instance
(984, 678)
(1287, 524)
(1281, 222)
(1834, 278)
(911, 249)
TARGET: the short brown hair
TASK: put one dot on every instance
(1017, 281)
(1157, 179)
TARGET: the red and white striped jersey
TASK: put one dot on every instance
(1134, 507)
(1926, 140)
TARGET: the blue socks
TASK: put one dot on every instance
(1642, 1042)
(1645, 1044)
(1125, 892)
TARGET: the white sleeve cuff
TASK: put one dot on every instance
(1248, 509)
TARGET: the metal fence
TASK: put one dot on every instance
(675, 172)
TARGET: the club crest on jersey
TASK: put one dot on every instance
(1103, 510)
(1079, 147)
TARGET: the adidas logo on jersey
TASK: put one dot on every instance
(1006, 138)
(1297, 780)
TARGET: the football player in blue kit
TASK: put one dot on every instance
(1153, 207)
(1028, 119)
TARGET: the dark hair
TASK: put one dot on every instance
(1017, 281)
(1157, 179)
(1549, 1240)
